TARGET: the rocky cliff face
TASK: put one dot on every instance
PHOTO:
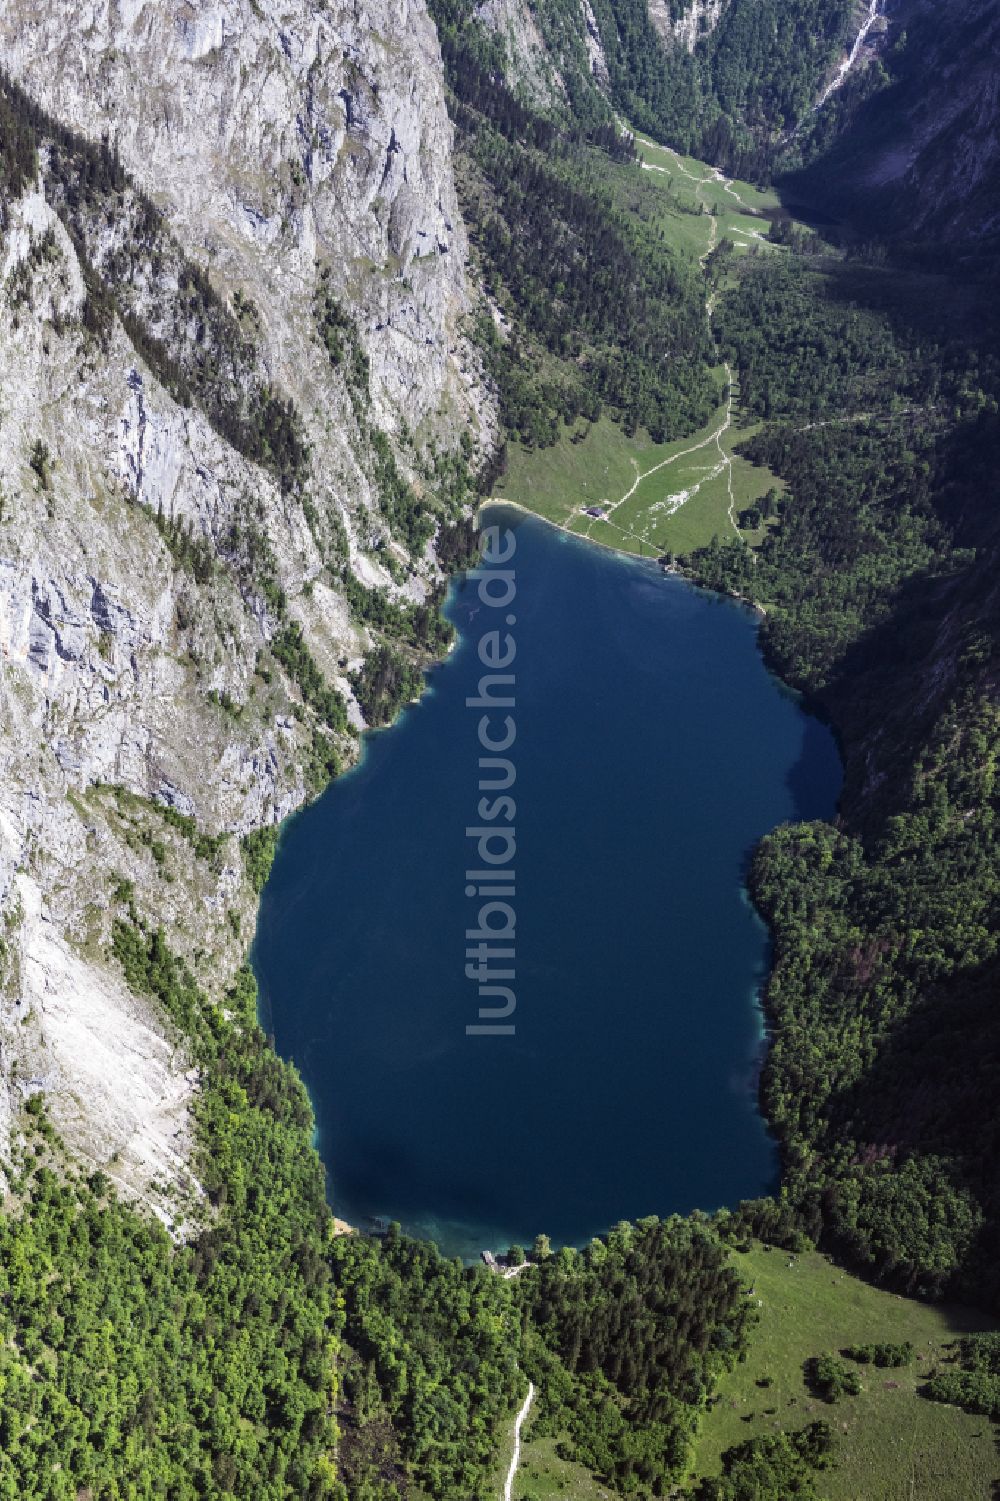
(160, 319)
(530, 68)
(695, 20)
(915, 145)
(275, 135)
(549, 50)
(926, 152)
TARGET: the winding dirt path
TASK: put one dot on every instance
(712, 175)
(714, 438)
(516, 1457)
(727, 458)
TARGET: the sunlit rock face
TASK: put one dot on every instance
(279, 141)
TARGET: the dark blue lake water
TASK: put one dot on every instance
(653, 749)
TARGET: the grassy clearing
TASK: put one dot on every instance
(558, 482)
(891, 1444)
(700, 207)
(692, 195)
(688, 175)
(693, 205)
(666, 200)
(687, 503)
(742, 229)
(683, 497)
(542, 1475)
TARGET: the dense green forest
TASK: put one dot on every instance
(132, 1366)
(747, 82)
(878, 389)
(624, 1340)
(432, 1370)
(733, 100)
(874, 374)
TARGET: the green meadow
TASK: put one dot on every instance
(657, 497)
(693, 191)
(542, 1476)
(890, 1443)
(667, 497)
(704, 181)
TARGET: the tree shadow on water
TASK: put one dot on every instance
(815, 777)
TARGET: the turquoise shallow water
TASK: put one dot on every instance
(653, 749)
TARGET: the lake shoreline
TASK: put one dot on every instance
(653, 635)
(670, 570)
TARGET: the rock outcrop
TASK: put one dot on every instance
(530, 69)
(930, 146)
(150, 550)
(695, 20)
(919, 156)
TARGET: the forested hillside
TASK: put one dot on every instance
(590, 311)
(746, 84)
(132, 1366)
(625, 1341)
(733, 99)
(911, 146)
(879, 393)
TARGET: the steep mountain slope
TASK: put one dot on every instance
(230, 255)
(896, 103)
(727, 81)
(274, 137)
(921, 156)
(877, 386)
